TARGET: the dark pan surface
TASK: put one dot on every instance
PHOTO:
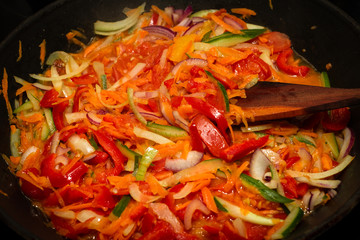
(335, 39)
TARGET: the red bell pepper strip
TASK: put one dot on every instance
(240, 150)
(282, 63)
(110, 147)
(210, 112)
(78, 93)
(228, 83)
(337, 120)
(50, 97)
(58, 114)
(56, 177)
(209, 134)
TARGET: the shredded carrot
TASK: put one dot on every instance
(4, 84)
(24, 88)
(224, 25)
(33, 118)
(20, 51)
(245, 12)
(155, 186)
(208, 199)
(42, 52)
(164, 16)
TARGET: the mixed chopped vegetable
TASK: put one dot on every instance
(141, 135)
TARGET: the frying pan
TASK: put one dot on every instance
(319, 31)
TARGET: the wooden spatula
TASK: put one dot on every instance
(272, 100)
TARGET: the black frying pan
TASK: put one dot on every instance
(335, 39)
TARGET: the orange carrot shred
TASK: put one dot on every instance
(5, 83)
(42, 52)
(20, 52)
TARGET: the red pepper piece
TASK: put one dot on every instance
(78, 93)
(240, 150)
(337, 120)
(50, 97)
(282, 63)
(58, 114)
(290, 187)
(56, 177)
(209, 134)
(228, 83)
(290, 161)
(103, 198)
(110, 147)
(211, 112)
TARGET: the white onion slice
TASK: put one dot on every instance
(93, 118)
(320, 175)
(258, 165)
(179, 120)
(349, 139)
(138, 196)
(28, 151)
(193, 158)
(68, 214)
(319, 182)
(133, 73)
(240, 227)
(194, 205)
(55, 142)
(142, 133)
(75, 117)
(81, 144)
(186, 190)
(81, 68)
(163, 212)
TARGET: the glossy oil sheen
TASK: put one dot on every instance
(319, 31)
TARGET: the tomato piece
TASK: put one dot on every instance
(209, 134)
(240, 150)
(290, 187)
(282, 63)
(99, 158)
(103, 198)
(33, 191)
(252, 65)
(50, 97)
(290, 161)
(337, 120)
(256, 232)
(302, 189)
(228, 83)
(277, 41)
(210, 112)
(88, 78)
(162, 230)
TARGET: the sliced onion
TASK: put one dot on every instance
(321, 175)
(163, 212)
(258, 165)
(142, 133)
(55, 142)
(274, 158)
(186, 190)
(232, 23)
(93, 118)
(179, 120)
(85, 215)
(160, 31)
(81, 68)
(164, 104)
(28, 151)
(349, 139)
(194, 205)
(146, 94)
(185, 22)
(149, 115)
(193, 28)
(133, 73)
(193, 158)
(188, 10)
(68, 214)
(190, 62)
(138, 196)
(319, 182)
(240, 227)
(61, 160)
(42, 86)
(313, 198)
(75, 117)
(81, 144)
(110, 28)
